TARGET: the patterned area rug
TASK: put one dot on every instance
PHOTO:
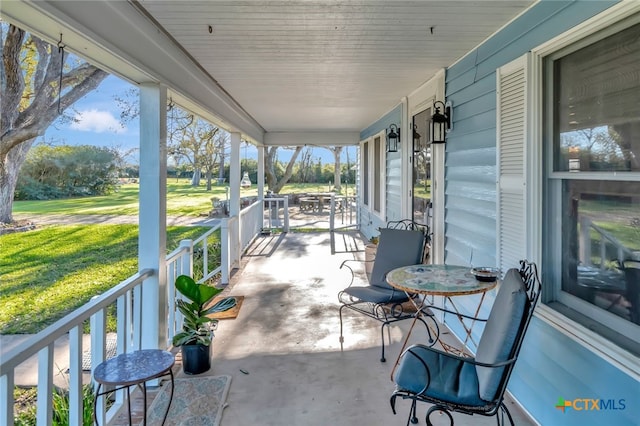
(197, 401)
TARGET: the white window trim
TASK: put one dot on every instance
(594, 342)
(419, 100)
(370, 178)
(365, 180)
(381, 191)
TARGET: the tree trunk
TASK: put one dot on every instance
(337, 184)
(272, 182)
(208, 175)
(195, 180)
(9, 168)
(21, 122)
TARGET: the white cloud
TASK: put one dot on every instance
(97, 121)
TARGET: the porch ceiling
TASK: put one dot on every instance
(299, 66)
(327, 65)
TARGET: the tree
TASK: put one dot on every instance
(337, 182)
(65, 171)
(270, 162)
(32, 99)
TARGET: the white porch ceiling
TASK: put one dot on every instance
(327, 65)
(288, 66)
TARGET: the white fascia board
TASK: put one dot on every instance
(118, 38)
(311, 138)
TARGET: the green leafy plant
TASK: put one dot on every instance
(197, 327)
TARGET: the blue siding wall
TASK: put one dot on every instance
(369, 223)
(551, 364)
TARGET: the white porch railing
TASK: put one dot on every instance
(276, 213)
(128, 295)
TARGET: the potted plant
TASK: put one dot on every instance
(197, 328)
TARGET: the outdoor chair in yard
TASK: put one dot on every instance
(473, 385)
(401, 243)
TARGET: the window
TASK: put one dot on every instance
(591, 189)
(365, 173)
(373, 169)
(377, 174)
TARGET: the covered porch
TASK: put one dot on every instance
(286, 337)
(339, 73)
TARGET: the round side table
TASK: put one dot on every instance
(135, 368)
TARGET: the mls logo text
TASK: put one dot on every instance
(590, 404)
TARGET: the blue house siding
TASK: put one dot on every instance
(551, 364)
(369, 223)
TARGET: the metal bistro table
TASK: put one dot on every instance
(135, 368)
(439, 280)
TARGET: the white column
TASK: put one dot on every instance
(260, 172)
(152, 238)
(234, 201)
(261, 180)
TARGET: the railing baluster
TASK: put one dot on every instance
(98, 328)
(45, 386)
(6, 398)
(75, 376)
(137, 317)
(205, 257)
(121, 335)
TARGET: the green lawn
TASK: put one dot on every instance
(49, 272)
(182, 199)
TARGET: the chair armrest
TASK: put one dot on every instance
(353, 273)
(468, 360)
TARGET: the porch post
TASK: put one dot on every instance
(260, 172)
(152, 237)
(234, 201)
(260, 179)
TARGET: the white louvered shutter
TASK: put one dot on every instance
(512, 209)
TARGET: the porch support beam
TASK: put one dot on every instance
(152, 239)
(235, 171)
(311, 138)
(260, 172)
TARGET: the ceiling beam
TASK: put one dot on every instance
(311, 138)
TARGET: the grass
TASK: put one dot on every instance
(182, 199)
(49, 272)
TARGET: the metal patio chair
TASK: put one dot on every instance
(473, 385)
(401, 243)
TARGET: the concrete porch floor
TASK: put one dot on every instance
(286, 337)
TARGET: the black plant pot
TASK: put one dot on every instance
(196, 359)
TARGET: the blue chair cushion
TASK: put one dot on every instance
(451, 380)
(377, 294)
(500, 333)
(396, 248)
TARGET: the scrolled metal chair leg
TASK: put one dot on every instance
(383, 359)
(500, 415)
(441, 409)
(414, 411)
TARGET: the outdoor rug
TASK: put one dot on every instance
(111, 345)
(228, 314)
(197, 401)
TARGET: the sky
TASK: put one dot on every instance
(97, 122)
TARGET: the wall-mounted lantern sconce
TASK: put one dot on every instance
(417, 147)
(440, 122)
(393, 138)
